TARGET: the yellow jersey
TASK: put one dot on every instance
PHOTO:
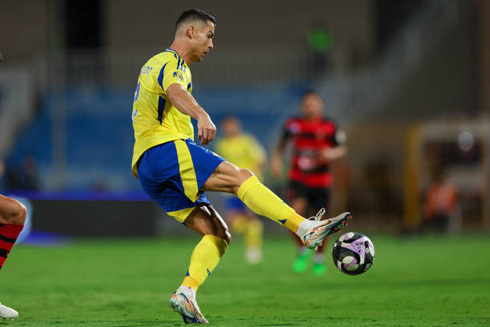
(155, 119)
(244, 151)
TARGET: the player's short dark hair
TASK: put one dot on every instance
(308, 92)
(228, 118)
(194, 13)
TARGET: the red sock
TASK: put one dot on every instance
(8, 236)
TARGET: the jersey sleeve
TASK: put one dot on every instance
(173, 72)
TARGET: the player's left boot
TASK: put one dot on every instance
(7, 313)
(184, 302)
(320, 229)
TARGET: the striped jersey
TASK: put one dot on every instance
(309, 137)
(155, 119)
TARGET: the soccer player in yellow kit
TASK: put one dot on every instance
(244, 151)
(176, 172)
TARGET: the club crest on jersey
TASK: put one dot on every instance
(294, 128)
(180, 76)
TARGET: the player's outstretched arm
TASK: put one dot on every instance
(332, 154)
(185, 103)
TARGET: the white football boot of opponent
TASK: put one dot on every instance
(314, 230)
(7, 313)
(183, 301)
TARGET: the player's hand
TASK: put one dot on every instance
(206, 129)
(331, 154)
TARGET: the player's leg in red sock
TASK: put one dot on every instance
(319, 266)
(12, 217)
(297, 240)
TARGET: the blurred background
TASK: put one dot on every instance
(408, 81)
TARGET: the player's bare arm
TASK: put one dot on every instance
(185, 103)
(332, 154)
(276, 160)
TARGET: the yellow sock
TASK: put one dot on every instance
(253, 234)
(240, 224)
(265, 203)
(204, 259)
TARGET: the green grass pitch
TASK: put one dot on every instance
(416, 282)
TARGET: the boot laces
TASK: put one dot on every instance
(318, 216)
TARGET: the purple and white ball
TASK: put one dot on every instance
(353, 253)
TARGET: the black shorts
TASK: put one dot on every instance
(317, 197)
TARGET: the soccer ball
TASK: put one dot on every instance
(353, 253)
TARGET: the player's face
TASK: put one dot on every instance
(203, 41)
(311, 106)
(231, 127)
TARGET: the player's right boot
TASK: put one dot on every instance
(302, 260)
(7, 313)
(319, 268)
(320, 229)
(185, 304)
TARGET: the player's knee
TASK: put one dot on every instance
(239, 178)
(19, 213)
(15, 212)
(222, 232)
(245, 174)
(21, 218)
(225, 235)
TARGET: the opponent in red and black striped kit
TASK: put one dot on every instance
(316, 141)
(12, 217)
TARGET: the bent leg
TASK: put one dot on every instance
(229, 178)
(12, 217)
(205, 221)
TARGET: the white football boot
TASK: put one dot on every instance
(314, 230)
(183, 301)
(7, 313)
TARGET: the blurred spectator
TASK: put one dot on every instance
(99, 186)
(24, 177)
(320, 42)
(440, 203)
(244, 151)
